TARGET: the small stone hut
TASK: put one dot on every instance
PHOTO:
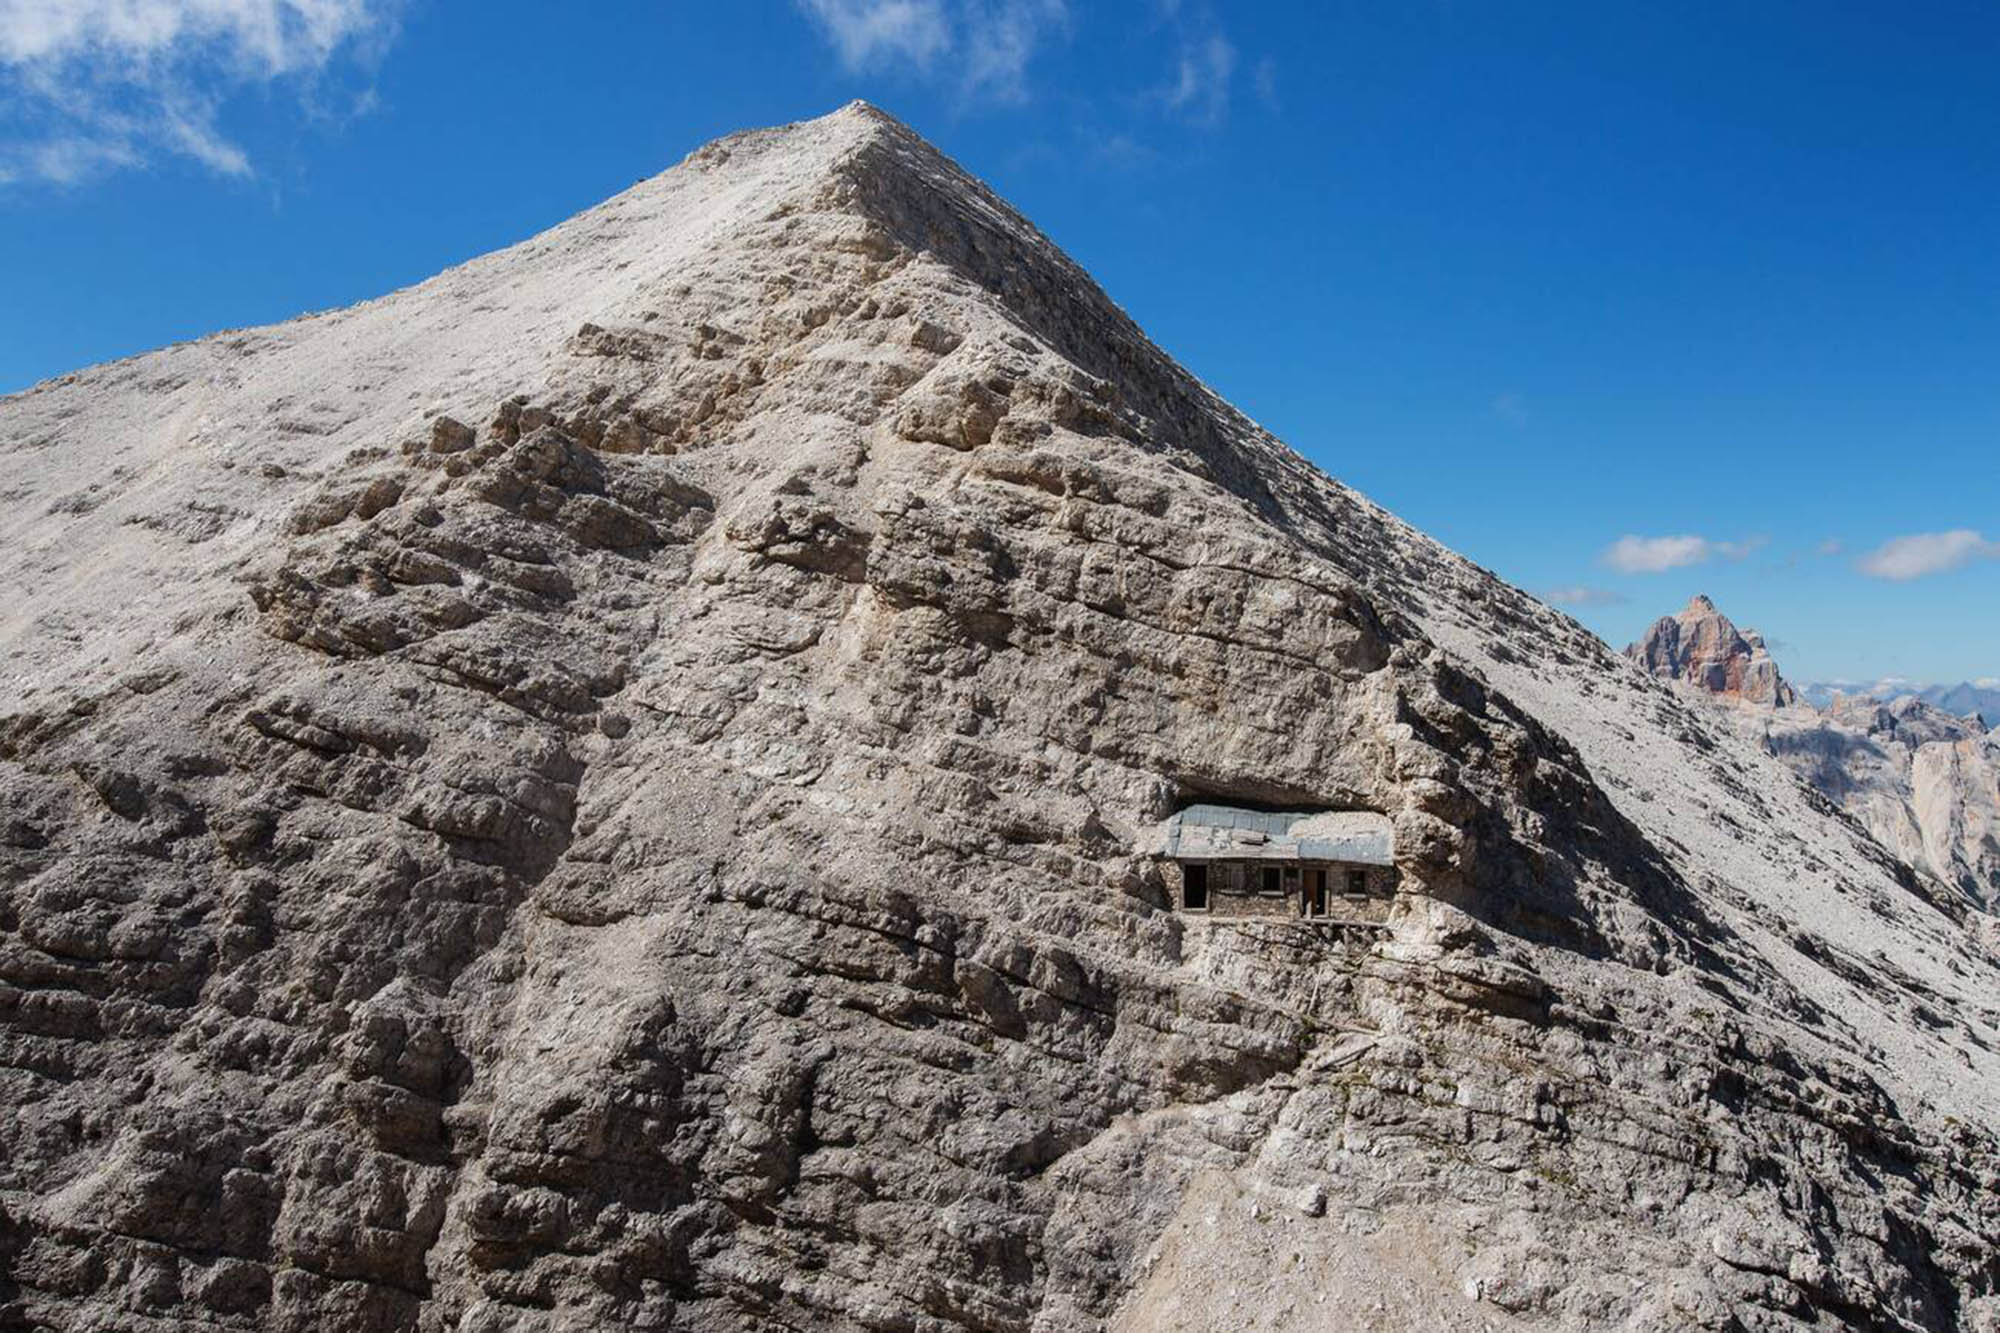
(1328, 864)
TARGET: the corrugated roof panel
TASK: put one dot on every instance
(1231, 832)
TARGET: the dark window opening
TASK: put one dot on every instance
(1316, 892)
(1273, 884)
(1194, 888)
(1357, 884)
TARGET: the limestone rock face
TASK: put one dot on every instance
(1926, 783)
(610, 789)
(1699, 645)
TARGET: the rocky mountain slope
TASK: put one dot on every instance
(604, 790)
(1923, 781)
(1702, 647)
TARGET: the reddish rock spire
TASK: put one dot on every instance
(1703, 647)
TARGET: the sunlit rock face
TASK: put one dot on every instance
(1700, 645)
(617, 788)
(1924, 781)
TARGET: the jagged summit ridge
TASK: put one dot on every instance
(1701, 646)
(612, 787)
(500, 325)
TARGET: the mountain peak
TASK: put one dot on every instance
(1701, 646)
(869, 121)
(864, 109)
(649, 749)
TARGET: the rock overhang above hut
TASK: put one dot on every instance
(1230, 833)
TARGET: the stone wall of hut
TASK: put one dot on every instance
(1234, 890)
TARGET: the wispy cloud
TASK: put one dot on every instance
(69, 158)
(985, 45)
(1000, 38)
(1578, 594)
(1832, 546)
(1656, 555)
(98, 85)
(873, 34)
(1202, 74)
(1922, 553)
(1122, 151)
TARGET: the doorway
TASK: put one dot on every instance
(1194, 888)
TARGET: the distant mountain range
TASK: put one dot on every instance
(1967, 697)
(1915, 764)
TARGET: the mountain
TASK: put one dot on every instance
(1701, 646)
(1920, 778)
(1971, 698)
(621, 787)
(1924, 781)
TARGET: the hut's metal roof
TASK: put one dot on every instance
(1227, 833)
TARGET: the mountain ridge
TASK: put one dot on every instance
(1966, 698)
(609, 786)
(1923, 780)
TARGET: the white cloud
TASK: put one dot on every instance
(67, 159)
(1578, 594)
(1921, 553)
(990, 43)
(1656, 555)
(264, 37)
(97, 85)
(999, 38)
(1201, 80)
(870, 34)
(1200, 87)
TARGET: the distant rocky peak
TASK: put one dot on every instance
(1701, 646)
(1908, 718)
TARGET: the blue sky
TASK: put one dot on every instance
(1623, 301)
